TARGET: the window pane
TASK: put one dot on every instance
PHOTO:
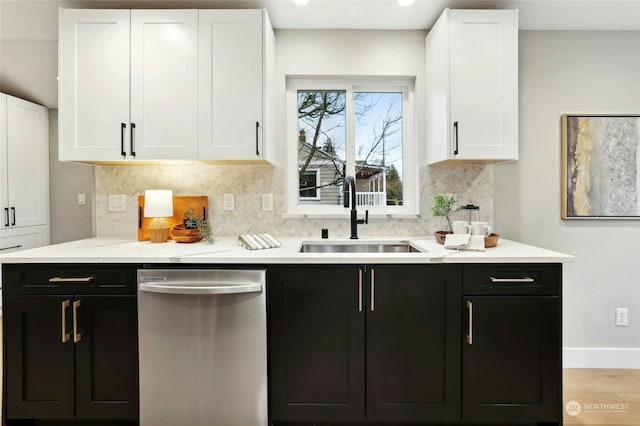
(378, 134)
(321, 146)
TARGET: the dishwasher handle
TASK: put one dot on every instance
(198, 288)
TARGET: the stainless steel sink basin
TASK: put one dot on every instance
(358, 247)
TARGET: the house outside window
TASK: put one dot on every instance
(309, 185)
(346, 127)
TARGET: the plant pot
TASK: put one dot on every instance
(440, 236)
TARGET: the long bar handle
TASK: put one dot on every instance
(70, 280)
(359, 290)
(13, 212)
(181, 288)
(470, 333)
(12, 247)
(455, 133)
(65, 336)
(76, 336)
(512, 280)
(257, 137)
(6, 216)
(123, 127)
(373, 290)
(131, 141)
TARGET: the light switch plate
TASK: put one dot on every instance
(267, 202)
(117, 202)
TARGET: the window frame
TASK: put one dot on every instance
(318, 194)
(405, 85)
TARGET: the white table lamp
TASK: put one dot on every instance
(158, 203)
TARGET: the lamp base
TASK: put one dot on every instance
(158, 230)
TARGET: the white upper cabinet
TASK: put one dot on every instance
(128, 84)
(472, 87)
(24, 163)
(164, 84)
(93, 87)
(235, 72)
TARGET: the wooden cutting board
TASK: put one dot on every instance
(180, 204)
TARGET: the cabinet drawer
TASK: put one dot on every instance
(512, 279)
(69, 278)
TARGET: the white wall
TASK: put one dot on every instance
(575, 72)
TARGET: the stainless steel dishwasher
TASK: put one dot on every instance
(203, 347)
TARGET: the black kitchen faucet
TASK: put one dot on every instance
(350, 187)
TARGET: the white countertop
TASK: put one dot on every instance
(228, 251)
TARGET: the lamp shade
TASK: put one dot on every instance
(158, 203)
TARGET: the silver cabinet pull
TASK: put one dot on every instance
(512, 280)
(70, 280)
(373, 288)
(76, 336)
(65, 336)
(359, 290)
(470, 333)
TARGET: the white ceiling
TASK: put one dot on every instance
(29, 28)
(37, 20)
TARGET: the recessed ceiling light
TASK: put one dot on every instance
(301, 2)
(405, 3)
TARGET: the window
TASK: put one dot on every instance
(340, 128)
(309, 185)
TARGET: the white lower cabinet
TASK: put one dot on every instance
(472, 87)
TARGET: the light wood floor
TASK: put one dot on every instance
(605, 397)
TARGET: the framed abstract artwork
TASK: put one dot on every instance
(600, 166)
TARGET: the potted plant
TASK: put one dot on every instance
(193, 226)
(444, 206)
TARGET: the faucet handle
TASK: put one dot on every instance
(364, 221)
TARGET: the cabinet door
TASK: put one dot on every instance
(511, 359)
(164, 84)
(39, 366)
(28, 163)
(94, 84)
(316, 346)
(23, 238)
(107, 357)
(230, 84)
(413, 329)
(484, 84)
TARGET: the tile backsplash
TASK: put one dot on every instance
(472, 184)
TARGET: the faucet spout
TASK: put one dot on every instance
(350, 185)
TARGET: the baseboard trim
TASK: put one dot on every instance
(601, 357)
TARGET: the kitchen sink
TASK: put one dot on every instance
(358, 247)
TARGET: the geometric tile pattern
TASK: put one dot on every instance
(471, 184)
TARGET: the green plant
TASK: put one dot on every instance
(444, 206)
(191, 221)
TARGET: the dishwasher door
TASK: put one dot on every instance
(203, 347)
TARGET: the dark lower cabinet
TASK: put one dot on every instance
(511, 356)
(510, 367)
(70, 357)
(473, 344)
(369, 343)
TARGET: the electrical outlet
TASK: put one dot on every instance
(622, 317)
(267, 202)
(228, 202)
